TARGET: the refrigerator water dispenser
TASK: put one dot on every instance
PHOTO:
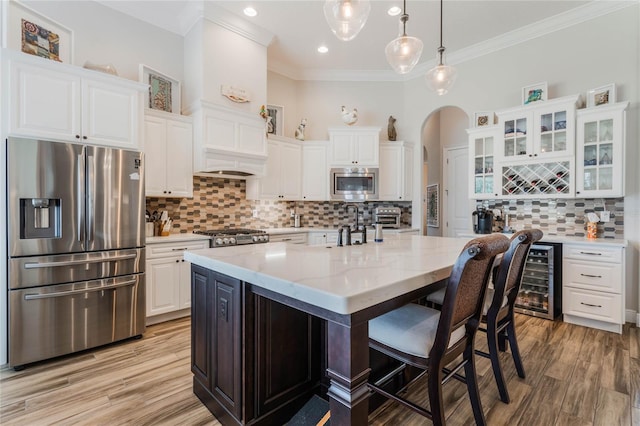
(40, 218)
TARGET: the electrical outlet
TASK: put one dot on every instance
(605, 216)
(254, 213)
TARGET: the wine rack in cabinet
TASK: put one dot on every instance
(537, 180)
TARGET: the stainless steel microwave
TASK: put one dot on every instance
(354, 184)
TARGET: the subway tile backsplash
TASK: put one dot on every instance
(219, 203)
(563, 217)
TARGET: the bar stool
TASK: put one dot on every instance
(498, 313)
(430, 340)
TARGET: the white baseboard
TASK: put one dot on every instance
(632, 316)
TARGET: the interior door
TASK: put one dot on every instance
(457, 206)
(115, 199)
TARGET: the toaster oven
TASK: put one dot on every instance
(389, 217)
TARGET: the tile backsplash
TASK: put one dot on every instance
(565, 217)
(219, 203)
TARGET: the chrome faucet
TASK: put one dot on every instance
(355, 206)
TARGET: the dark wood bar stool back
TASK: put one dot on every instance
(430, 340)
(499, 317)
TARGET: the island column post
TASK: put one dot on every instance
(348, 369)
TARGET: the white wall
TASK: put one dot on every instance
(104, 36)
(320, 101)
(283, 91)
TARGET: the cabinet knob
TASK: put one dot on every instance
(77, 136)
(577, 192)
(177, 260)
(164, 192)
(169, 192)
(535, 155)
(84, 137)
(183, 260)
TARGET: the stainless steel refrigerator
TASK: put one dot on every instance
(75, 246)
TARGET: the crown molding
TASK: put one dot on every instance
(529, 32)
(236, 24)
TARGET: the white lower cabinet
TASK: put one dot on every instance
(593, 286)
(168, 278)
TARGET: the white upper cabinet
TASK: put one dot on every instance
(356, 146)
(485, 180)
(168, 152)
(396, 171)
(541, 130)
(284, 171)
(57, 101)
(315, 172)
(601, 151)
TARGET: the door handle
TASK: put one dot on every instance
(78, 262)
(80, 291)
(80, 181)
(591, 276)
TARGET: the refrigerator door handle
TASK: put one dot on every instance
(91, 176)
(81, 200)
(79, 261)
(79, 291)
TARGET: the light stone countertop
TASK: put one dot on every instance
(340, 279)
(568, 240)
(292, 230)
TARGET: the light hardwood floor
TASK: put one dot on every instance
(575, 376)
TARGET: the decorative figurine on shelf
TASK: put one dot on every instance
(300, 129)
(349, 117)
(267, 118)
(391, 129)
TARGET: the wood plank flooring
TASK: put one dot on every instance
(575, 376)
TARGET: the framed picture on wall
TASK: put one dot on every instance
(276, 122)
(534, 93)
(483, 118)
(601, 95)
(164, 91)
(30, 32)
(433, 206)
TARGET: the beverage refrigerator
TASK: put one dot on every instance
(75, 247)
(540, 291)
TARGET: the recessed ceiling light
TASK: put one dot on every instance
(323, 49)
(394, 11)
(249, 11)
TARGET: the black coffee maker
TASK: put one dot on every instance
(482, 221)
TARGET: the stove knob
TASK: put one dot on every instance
(232, 240)
(263, 238)
(218, 241)
(255, 238)
(225, 241)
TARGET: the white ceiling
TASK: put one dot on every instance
(299, 27)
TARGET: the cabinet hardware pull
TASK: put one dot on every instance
(590, 253)
(591, 276)
(179, 249)
(589, 304)
(286, 239)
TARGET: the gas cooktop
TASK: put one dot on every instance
(234, 236)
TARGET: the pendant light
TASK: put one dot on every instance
(346, 17)
(441, 78)
(403, 52)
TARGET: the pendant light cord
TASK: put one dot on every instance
(441, 48)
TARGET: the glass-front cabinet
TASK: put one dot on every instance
(482, 142)
(544, 129)
(600, 152)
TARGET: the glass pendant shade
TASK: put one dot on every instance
(403, 53)
(346, 17)
(441, 78)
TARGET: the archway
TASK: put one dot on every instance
(442, 130)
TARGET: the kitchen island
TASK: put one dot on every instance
(258, 311)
